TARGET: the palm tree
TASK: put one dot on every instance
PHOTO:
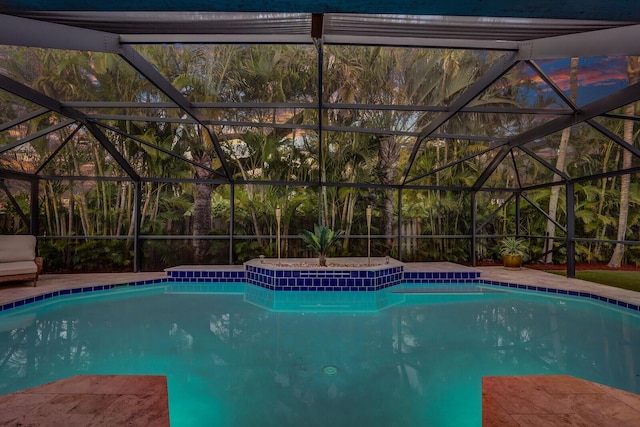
(633, 71)
(321, 241)
(560, 165)
(388, 158)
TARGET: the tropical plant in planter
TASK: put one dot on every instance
(321, 241)
(513, 250)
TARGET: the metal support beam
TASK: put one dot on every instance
(586, 178)
(615, 138)
(152, 74)
(43, 100)
(36, 135)
(34, 208)
(474, 235)
(497, 70)
(16, 31)
(552, 85)
(544, 163)
(232, 219)
(494, 213)
(25, 118)
(546, 215)
(159, 148)
(616, 100)
(14, 203)
(450, 164)
(57, 150)
(23, 91)
(571, 230)
(619, 41)
(516, 169)
(491, 167)
(317, 27)
(137, 221)
(111, 149)
(320, 94)
(518, 217)
(400, 224)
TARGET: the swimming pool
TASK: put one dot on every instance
(416, 360)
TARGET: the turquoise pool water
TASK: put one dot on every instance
(418, 361)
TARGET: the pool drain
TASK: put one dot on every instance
(330, 370)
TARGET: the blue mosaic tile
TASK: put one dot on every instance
(18, 303)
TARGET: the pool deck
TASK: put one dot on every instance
(556, 400)
(90, 400)
(14, 291)
(524, 401)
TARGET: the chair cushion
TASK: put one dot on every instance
(18, 267)
(17, 248)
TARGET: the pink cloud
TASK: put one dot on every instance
(600, 72)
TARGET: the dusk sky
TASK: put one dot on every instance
(597, 77)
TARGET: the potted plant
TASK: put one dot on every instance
(513, 250)
(320, 241)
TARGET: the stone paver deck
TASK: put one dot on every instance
(90, 400)
(556, 400)
(528, 276)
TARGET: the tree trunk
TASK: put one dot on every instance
(560, 165)
(388, 157)
(251, 196)
(633, 70)
(322, 260)
(202, 220)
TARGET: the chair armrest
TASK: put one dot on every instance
(39, 262)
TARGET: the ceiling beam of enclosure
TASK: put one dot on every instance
(27, 32)
(523, 39)
(52, 104)
(498, 69)
(616, 100)
(153, 75)
(617, 41)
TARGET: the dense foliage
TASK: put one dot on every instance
(362, 153)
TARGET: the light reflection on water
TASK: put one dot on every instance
(230, 362)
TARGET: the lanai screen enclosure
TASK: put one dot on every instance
(133, 138)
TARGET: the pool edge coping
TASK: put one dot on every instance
(553, 290)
